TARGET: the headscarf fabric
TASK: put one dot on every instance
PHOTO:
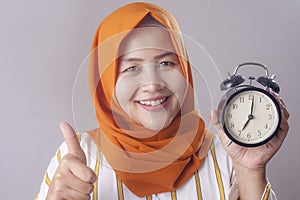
(166, 159)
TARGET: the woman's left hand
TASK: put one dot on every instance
(257, 157)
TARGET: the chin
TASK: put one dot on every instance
(157, 125)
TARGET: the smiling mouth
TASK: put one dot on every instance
(153, 102)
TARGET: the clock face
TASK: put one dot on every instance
(251, 117)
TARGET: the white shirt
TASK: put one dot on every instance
(214, 180)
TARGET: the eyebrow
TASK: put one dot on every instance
(165, 54)
(156, 57)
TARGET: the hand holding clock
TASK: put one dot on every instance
(250, 163)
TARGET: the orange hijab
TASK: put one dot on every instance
(159, 161)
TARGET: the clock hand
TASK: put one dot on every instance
(250, 116)
(246, 124)
(252, 105)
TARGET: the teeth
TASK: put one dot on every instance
(153, 103)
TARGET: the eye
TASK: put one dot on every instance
(166, 64)
(131, 69)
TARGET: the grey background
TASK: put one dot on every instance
(43, 44)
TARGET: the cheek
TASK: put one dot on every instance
(124, 90)
(175, 82)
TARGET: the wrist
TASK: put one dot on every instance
(251, 182)
(255, 173)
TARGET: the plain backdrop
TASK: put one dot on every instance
(44, 43)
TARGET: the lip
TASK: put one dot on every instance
(154, 108)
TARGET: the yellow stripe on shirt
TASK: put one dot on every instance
(47, 179)
(58, 155)
(97, 166)
(174, 196)
(218, 173)
(149, 197)
(267, 193)
(78, 137)
(231, 177)
(120, 189)
(198, 186)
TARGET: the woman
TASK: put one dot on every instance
(151, 143)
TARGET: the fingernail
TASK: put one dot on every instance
(94, 179)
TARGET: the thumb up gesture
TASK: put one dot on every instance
(73, 179)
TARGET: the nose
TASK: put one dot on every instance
(152, 80)
(152, 87)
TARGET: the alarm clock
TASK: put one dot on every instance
(250, 114)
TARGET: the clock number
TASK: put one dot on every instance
(232, 125)
(268, 107)
(242, 99)
(240, 132)
(260, 100)
(234, 106)
(249, 136)
(251, 97)
(266, 126)
(270, 116)
(259, 133)
(229, 115)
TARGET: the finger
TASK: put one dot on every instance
(79, 169)
(73, 194)
(214, 121)
(81, 178)
(72, 141)
(283, 127)
(281, 104)
(285, 112)
(281, 133)
(214, 117)
(71, 168)
(69, 193)
(80, 186)
(66, 184)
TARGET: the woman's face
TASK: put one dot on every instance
(150, 85)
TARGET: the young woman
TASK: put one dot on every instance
(152, 143)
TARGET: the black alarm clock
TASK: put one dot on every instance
(250, 114)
